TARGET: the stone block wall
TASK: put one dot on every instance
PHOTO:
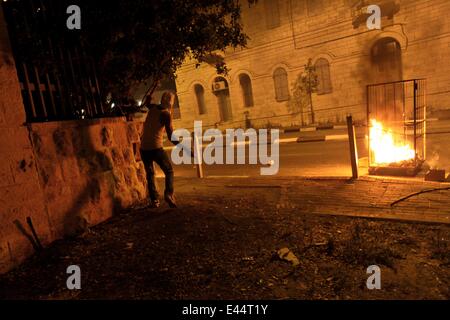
(20, 192)
(87, 170)
(65, 176)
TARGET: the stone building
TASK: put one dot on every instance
(414, 42)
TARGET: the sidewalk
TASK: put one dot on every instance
(369, 197)
(435, 125)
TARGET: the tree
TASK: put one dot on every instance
(304, 86)
(133, 41)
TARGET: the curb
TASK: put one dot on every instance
(334, 137)
(314, 128)
(311, 139)
(334, 127)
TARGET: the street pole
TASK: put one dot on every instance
(198, 155)
(353, 147)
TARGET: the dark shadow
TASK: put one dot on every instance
(30, 237)
(90, 162)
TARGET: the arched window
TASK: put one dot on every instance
(247, 91)
(386, 59)
(323, 75)
(200, 96)
(280, 81)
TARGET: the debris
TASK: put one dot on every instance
(286, 235)
(228, 219)
(248, 259)
(418, 193)
(130, 245)
(287, 255)
(39, 246)
(435, 175)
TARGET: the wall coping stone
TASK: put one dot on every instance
(76, 123)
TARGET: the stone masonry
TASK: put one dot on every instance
(322, 29)
(65, 176)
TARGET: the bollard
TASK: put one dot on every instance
(353, 147)
(198, 154)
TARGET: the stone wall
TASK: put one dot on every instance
(87, 171)
(20, 192)
(65, 176)
(326, 31)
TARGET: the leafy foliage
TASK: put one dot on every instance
(134, 40)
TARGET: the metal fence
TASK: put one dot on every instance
(66, 89)
(401, 108)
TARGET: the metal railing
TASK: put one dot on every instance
(66, 87)
(401, 107)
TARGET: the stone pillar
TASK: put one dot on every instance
(20, 193)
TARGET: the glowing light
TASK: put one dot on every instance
(384, 148)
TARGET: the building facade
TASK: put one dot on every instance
(413, 42)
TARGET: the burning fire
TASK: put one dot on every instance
(384, 148)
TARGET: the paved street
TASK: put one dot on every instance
(327, 158)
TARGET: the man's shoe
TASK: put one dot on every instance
(154, 204)
(170, 199)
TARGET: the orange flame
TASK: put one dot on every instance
(384, 148)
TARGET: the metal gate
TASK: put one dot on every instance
(396, 116)
(66, 88)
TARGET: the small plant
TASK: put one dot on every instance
(305, 85)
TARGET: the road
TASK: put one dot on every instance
(323, 158)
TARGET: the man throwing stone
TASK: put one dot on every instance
(159, 118)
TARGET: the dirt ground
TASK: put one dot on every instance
(227, 249)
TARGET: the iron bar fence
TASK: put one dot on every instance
(67, 86)
(400, 108)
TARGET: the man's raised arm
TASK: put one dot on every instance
(166, 119)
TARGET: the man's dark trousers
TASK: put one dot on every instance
(162, 159)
